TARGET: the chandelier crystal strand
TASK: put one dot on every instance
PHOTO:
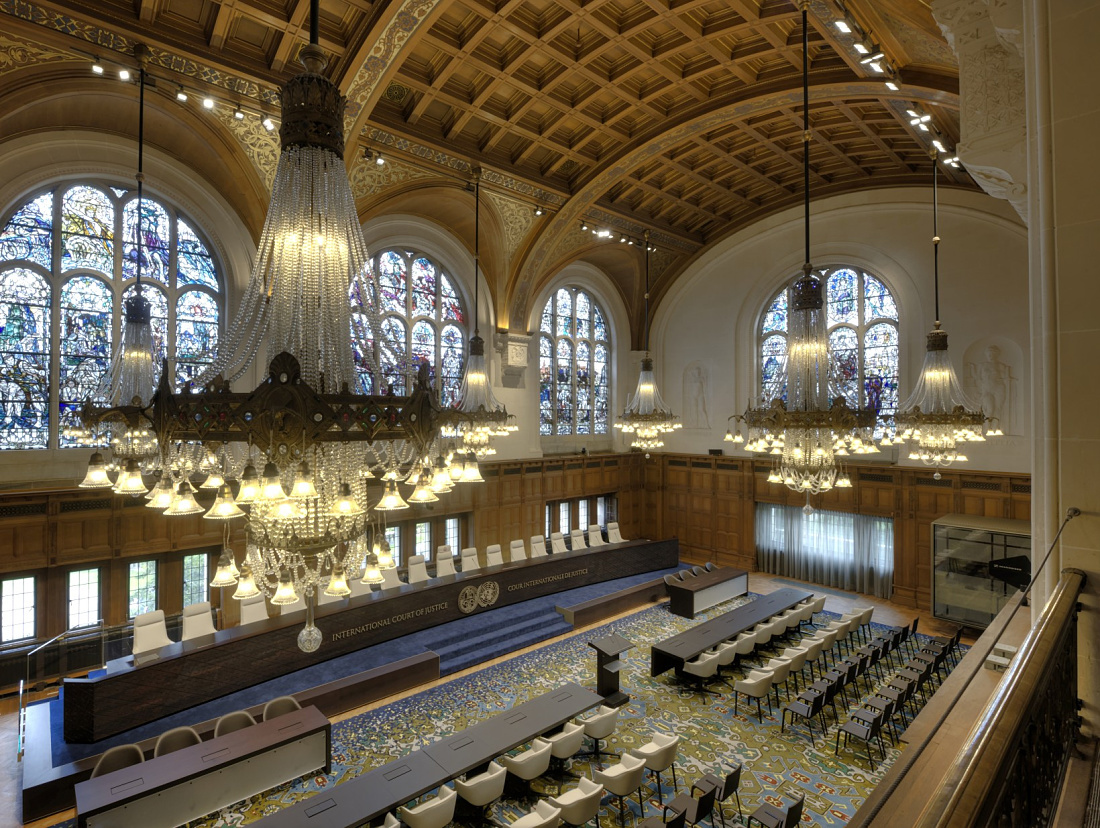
(646, 416)
(809, 430)
(939, 415)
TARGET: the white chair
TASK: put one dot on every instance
(756, 685)
(595, 536)
(579, 805)
(232, 722)
(418, 572)
(470, 563)
(623, 779)
(699, 669)
(485, 788)
(117, 758)
(598, 727)
(544, 815)
(493, 555)
(567, 742)
(613, 535)
(444, 551)
(530, 764)
(280, 707)
(557, 543)
(444, 563)
(150, 632)
(435, 813)
(391, 821)
(538, 546)
(175, 739)
(576, 540)
(197, 621)
(253, 609)
(390, 579)
(357, 586)
(516, 551)
(660, 755)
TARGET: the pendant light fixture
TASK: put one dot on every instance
(939, 415)
(811, 425)
(483, 416)
(646, 415)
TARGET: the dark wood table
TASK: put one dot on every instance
(673, 652)
(378, 791)
(186, 784)
(700, 592)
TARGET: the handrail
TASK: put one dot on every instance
(62, 635)
(21, 727)
(966, 795)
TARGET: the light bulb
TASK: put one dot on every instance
(384, 556)
(423, 492)
(303, 483)
(225, 507)
(250, 485)
(285, 594)
(163, 494)
(224, 575)
(246, 584)
(371, 574)
(184, 502)
(471, 473)
(391, 499)
(338, 584)
(345, 505)
(96, 477)
(213, 481)
(272, 488)
(129, 480)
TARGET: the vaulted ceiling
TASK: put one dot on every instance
(683, 118)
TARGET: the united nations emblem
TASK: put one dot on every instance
(488, 593)
(468, 599)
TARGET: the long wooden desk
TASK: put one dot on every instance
(382, 789)
(697, 593)
(240, 657)
(175, 788)
(673, 652)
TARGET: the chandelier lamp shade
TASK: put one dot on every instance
(804, 420)
(938, 417)
(331, 458)
(646, 416)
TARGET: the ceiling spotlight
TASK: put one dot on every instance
(622, 239)
(181, 96)
(863, 50)
(871, 58)
(893, 87)
(923, 127)
(97, 67)
(379, 160)
(208, 103)
(269, 124)
(938, 144)
(843, 26)
(912, 113)
(238, 114)
(603, 234)
(124, 74)
(584, 225)
(876, 66)
(538, 211)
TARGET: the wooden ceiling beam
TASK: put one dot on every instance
(730, 159)
(822, 141)
(873, 136)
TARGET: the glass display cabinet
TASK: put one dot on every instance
(978, 563)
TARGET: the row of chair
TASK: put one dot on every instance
(178, 738)
(685, 575)
(711, 793)
(151, 628)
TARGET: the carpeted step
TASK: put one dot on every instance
(458, 654)
(503, 646)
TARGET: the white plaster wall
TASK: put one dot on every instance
(712, 314)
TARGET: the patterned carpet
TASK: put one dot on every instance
(711, 735)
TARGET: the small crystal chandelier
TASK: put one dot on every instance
(483, 416)
(939, 415)
(646, 416)
(813, 427)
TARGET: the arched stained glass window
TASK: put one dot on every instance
(862, 319)
(574, 387)
(73, 230)
(423, 322)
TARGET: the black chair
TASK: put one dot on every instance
(696, 808)
(805, 710)
(868, 731)
(663, 820)
(724, 788)
(772, 817)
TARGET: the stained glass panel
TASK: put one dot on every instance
(546, 385)
(564, 312)
(87, 310)
(391, 281)
(599, 329)
(24, 360)
(196, 334)
(583, 314)
(880, 349)
(573, 391)
(158, 321)
(424, 287)
(452, 308)
(547, 323)
(773, 363)
(451, 364)
(392, 352)
(600, 385)
(842, 298)
(195, 265)
(775, 318)
(879, 304)
(844, 357)
(87, 230)
(564, 388)
(29, 232)
(423, 344)
(155, 240)
(362, 350)
(583, 386)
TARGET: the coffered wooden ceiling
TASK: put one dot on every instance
(681, 116)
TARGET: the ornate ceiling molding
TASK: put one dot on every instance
(17, 54)
(517, 217)
(369, 179)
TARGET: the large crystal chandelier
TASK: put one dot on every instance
(939, 415)
(810, 429)
(301, 448)
(484, 418)
(646, 416)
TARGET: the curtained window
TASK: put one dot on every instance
(852, 552)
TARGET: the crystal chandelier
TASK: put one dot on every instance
(302, 446)
(484, 417)
(939, 415)
(646, 416)
(812, 427)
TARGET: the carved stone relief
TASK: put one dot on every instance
(517, 216)
(993, 369)
(17, 54)
(259, 144)
(513, 349)
(696, 388)
(368, 178)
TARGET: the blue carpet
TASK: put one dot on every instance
(460, 644)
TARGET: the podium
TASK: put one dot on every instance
(608, 650)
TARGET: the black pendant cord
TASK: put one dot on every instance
(936, 235)
(140, 173)
(477, 243)
(806, 128)
(314, 21)
(647, 292)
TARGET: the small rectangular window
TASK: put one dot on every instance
(549, 519)
(423, 544)
(563, 518)
(143, 587)
(450, 531)
(601, 511)
(17, 609)
(83, 598)
(393, 537)
(195, 587)
(582, 513)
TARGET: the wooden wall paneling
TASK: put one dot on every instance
(85, 534)
(192, 531)
(984, 497)
(24, 543)
(1020, 503)
(142, 531)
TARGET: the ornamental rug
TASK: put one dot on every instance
(777, 766)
